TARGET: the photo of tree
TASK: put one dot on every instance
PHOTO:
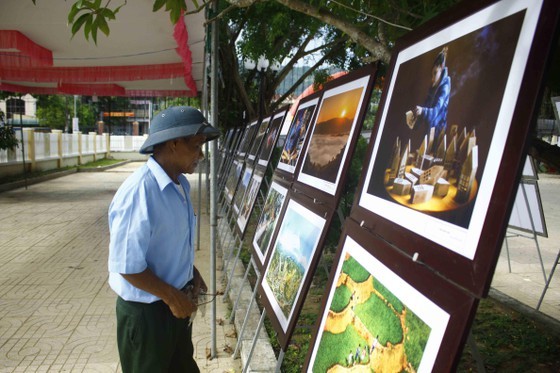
(333, 127)
(268, 220)
(291, 255)
(296, 136)
(372, 323)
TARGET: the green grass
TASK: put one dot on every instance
(341, 298)
(397, 304)
(330, 352)
(101, 163)
(416, 339)
(380, 320)
(353, 269)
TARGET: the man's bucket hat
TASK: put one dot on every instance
(175, 122)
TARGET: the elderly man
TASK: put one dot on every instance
(151, 251)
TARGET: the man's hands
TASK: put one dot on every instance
(178, 302)
(199, 286)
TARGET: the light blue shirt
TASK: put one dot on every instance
(151, 226)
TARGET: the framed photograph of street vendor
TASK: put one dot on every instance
(292, 261)
(334, 132)
(452, 125)
(297, 133)
(383, 312)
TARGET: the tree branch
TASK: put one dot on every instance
(371, 16)
(378, 50)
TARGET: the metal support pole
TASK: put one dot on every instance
(236, 303)
(255, 338)
(548, 281)
(213, 150)
(246, 319)
(475, 354)
(280, 360)
(230, 277)
(533, 228)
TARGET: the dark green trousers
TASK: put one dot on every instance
(150, 339)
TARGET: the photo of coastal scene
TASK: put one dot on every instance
(292, 253)
(329, 138)
(268, 220)
(366, 327)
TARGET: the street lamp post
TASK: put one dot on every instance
(261, 66)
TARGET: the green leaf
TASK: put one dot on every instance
(87, 27)
(119, 8)
(102, 23)
(158, 4)
(196, 4)
(94, 27)
(175, 14)
(107, 13)
(79, 22)
(97, 4)
(73, 11)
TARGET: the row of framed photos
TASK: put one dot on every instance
(432, 205)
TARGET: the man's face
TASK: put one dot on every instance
(189, 152)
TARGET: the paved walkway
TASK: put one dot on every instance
(56, 309)
(57, 312)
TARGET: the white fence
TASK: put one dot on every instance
(44, 151)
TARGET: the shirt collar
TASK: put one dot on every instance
(161, 176)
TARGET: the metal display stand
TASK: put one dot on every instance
(254, 343)
(548, 280)
(533, 231)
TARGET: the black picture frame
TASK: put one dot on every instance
(258, 139)
(271, 213)
(248, 201)
(373, 292)
(291, 262)
(296, 135)
(271, 138)
(459, 238)
(333, 134)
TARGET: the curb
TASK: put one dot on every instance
(56, 174)
(34, 180)
(101, 168)
(525, 310)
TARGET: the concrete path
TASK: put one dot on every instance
(57, 312)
